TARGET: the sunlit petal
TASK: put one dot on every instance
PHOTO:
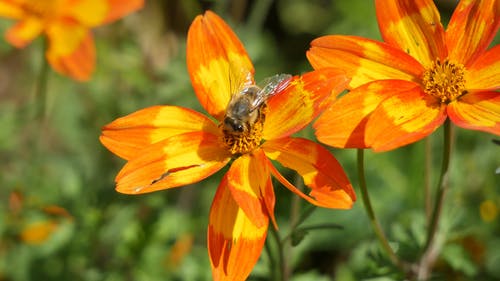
(407, 116)
(484, 72)
(414, 26)
(176, 161)
(343, 122)
(71, 50)
(24, 32)
(472, 28)
(305, 97)
(477, 111)
(320, 171)
(217, 62)
(234, 242)
(247, 179)
(364, 60)
(128, 135)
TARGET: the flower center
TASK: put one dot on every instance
(445, 80)
(40, 8)
(248, 135)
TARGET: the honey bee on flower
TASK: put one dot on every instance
(171, 146)
(245, 106)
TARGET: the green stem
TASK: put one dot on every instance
(281, 257)
(441, 188)
(371, 214)
(272, 261)
(428, 176)
(41, 87)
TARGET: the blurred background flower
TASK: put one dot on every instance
(66, 24)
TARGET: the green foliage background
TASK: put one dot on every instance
(109, 236)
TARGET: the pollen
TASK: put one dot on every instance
(445, 80)
(248, 140)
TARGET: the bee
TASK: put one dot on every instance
(244, 107)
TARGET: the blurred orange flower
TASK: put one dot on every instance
(170, 146)
(404, 88)
(66, 23)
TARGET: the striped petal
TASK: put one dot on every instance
(217, 62)
(363, 59)
(407, 116)
(343, 123)
(472, 28)
(305, 97)
(477, 111)
(320, 171)
(24, 32)
(247, 180)
(484, 72)
(128, 135)
(413, 26)
(234, 242)
(176, 161)
(71, 50)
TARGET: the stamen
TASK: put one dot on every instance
(445, 80)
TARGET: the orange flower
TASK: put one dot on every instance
(170, 146)
(404, 88)
(66, 23)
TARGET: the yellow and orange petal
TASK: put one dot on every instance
(363, 60)
(467, 39)
(128, 135)
(71, 50)
(321, 172)
(484, 72)
(248, 180)
(477, 111)
(10, 9)
(217, 62)
(306, 96)
(93, 13)
(176, 161)
(234, 241)
(408, 115)
(23, 32)
(413, 26)
(343, 123)
(120, 8)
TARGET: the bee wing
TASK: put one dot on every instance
(239, 79)
(271, 86)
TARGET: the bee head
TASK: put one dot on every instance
(233, 125)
